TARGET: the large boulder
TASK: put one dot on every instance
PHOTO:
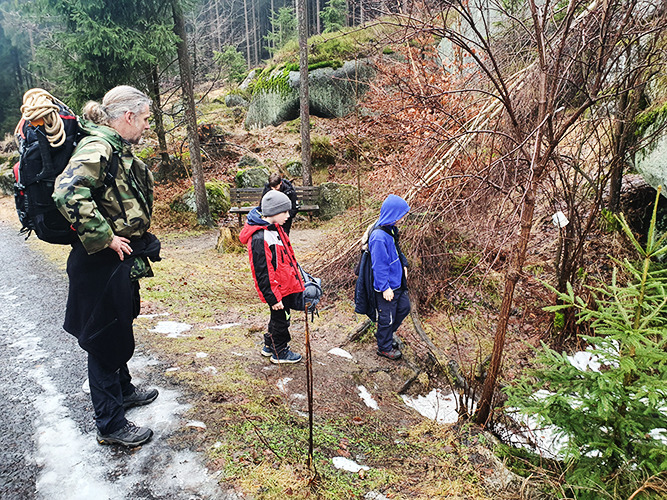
(651, 163)
(335, 198)
(252, 177)
(217, 193)
(333, 93)
(233, 100)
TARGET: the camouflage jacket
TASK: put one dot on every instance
(91, 206)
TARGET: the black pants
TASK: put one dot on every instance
(278, 337)
(107, 388)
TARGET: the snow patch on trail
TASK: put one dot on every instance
(367, 398)
(337, 351)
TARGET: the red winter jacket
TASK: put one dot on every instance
(272, 259)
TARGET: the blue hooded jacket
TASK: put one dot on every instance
(387, 260)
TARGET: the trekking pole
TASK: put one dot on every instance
(309, 389)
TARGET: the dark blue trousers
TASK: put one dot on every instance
(390, 316)
(107, 387)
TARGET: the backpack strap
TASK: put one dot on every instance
(45, 153)
(109, 180)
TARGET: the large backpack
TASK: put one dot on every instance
(47, 136)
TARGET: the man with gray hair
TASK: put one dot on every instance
(107, 194)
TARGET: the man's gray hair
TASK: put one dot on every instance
(115, 103)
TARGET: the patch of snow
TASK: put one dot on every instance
(201, 355)
(337, 351)
(210, 369)
(173, 329)
(151, 316)
(86, 386)
(348, 465)
(224, 327)
(583, 360)
(659, 435)
(367, 398)
(173, 369)
(298, 396)
(196, 423)
(375, 495)
(282, 384)
(435, 406)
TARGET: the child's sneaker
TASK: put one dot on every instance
(287, 356)
(266, 351)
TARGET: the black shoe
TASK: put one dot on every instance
(139, 398)
(393, 354)
(396, 342)
(129, 435)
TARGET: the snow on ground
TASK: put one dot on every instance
(367, 398)
(337, 351)
(348, 465)
(435, 405)
(173, 329)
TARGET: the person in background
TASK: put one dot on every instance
(111, 219)
(390, 271)
(277, 183)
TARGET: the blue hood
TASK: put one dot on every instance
(393, 208)
(255, 218)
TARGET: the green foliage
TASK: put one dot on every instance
(284, 29)
(232, 62)
(608, 417)
(609, 222)
(650, 119)
(334, 15)
(271, 81)
(335, 64)
(103, 44)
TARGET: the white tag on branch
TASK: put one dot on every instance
(559, 219)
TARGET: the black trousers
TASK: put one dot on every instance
(278, 337)
(107, 388)
(390, 316)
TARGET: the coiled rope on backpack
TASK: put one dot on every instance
(38, 105)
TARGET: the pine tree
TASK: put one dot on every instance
(612, 418)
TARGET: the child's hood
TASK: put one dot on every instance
(254, 223)
(393, 209)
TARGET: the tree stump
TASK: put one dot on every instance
(228, 240)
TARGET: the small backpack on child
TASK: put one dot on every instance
(312, 292)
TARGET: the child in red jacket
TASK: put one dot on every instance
(275, 271)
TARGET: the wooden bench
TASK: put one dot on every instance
(245, 199)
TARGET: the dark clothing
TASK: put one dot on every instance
(388, 260)
(107, 388)
(278, 337)
(390, 316)
(286, 188)
(103, 299)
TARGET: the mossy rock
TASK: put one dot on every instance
(233, 100)
(249, 161)
(336, 198)
(252, 177)
(322, 153)
(294, 168)
(217, 193)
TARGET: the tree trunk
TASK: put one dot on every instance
(157, 115)
(537, 166)
(201, 201)
(317, 17)
(302, 14)
(247, 34)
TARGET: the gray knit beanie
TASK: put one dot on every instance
(275, 202)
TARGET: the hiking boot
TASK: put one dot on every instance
(396, 342)
(129, 435)
(287, 356)
(139, 398)
(266, 351)
(393, 354)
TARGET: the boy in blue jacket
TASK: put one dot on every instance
(390, 269)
